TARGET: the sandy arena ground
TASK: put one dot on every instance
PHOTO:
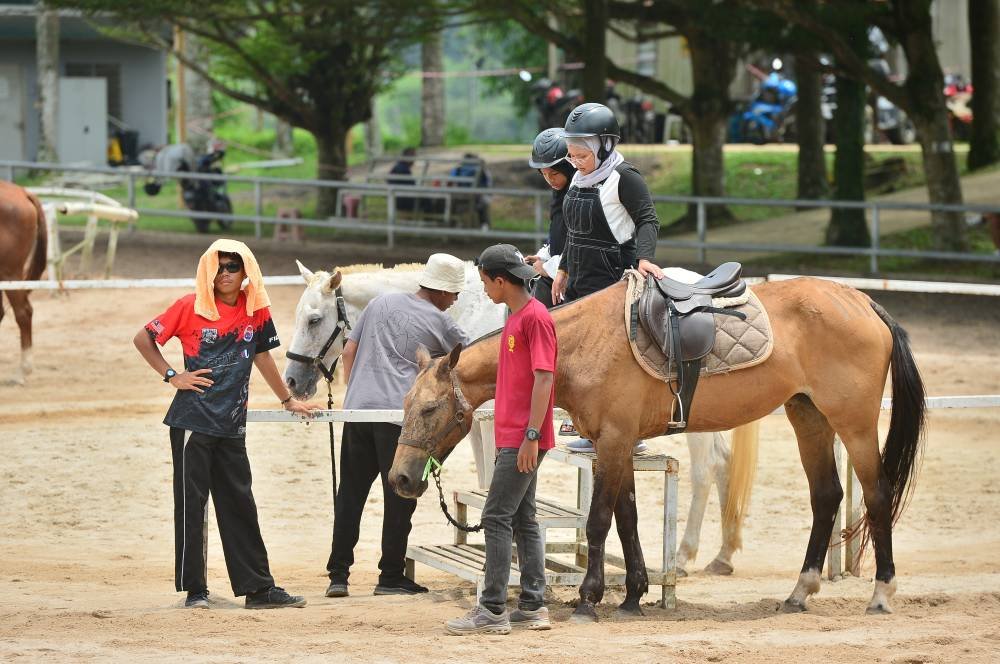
(86, 555)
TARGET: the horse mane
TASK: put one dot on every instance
(375, 267)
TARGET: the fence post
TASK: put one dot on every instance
(131, 197)
(258, 208)
(873, 257)
(390, 236)
(702, 229)
(540, 238)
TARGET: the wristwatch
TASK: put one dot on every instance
(170, 374)
(532, 434)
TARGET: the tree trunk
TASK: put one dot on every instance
(284, 143)
(432, 110)
(925, 92)
(809, 126)
(984, 31)
(47, 54)
(713, 66)
(595, 76)
(331, 146)
(200, 116)
(848, 227)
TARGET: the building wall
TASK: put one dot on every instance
(143, 83)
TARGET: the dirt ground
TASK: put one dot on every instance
(86, 558)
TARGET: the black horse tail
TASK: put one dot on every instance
(39, 256)
(903, 445)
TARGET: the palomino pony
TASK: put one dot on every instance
(731, 468)
(23, 243)
(833, 348)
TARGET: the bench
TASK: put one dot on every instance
(467, 560)
(447, 204)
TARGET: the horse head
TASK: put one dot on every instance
(320, 331)
(436, 416)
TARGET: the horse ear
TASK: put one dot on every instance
(304, 271)
(334, 282)
(453, 357)
(423, 357)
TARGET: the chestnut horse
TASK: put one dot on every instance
(23, 242)
(833, 349)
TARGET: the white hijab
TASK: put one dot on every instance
(604, 170)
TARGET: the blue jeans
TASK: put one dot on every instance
(509, 513)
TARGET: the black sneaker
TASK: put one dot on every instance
(273, 598)
(402, 586)
(337, 588)
(196, 599)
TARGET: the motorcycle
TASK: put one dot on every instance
(208, 195)
(769, 116)
(553, 104)
(957, 97)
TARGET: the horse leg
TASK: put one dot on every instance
(627, 522)
(700, 449)
(863, 447)
(815, 438)
(22, 314)
(611, 463)
(721, 466)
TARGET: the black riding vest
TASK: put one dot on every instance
(594, 258)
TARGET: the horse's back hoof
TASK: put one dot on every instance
(584, 613)
(791, 606)
(719, 568)
(681, 572)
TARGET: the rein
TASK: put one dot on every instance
(433, 466)
(343, 325)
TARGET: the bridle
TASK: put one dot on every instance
(317, 361)
(458, 421)
(433, 466)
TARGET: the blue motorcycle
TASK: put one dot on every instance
(768, 117)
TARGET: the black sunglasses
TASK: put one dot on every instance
(231, 268)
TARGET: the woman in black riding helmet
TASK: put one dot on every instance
(610, 219)
(548, 155)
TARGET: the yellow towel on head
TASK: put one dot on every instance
(208, 267)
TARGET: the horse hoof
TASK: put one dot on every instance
(878, 610)
(792, 606)
(681, 572)
(629, 610)
(584, 613)
(719, 568)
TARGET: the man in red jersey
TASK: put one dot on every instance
(524, 432)
(224, 331)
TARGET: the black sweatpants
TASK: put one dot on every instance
(367, 451)
(206, 464)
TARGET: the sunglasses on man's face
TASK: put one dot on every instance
(231, 268)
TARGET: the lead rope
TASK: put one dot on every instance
(464, 527)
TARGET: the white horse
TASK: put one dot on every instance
(713, 459)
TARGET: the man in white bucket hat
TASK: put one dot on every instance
(380, 365)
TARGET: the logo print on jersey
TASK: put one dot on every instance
(209, 335)
(246, 354)
(157, 326)
(510, 343)
(248, 333)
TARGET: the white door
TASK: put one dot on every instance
(11, 113)
(83, 120)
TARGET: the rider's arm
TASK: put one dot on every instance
(634, 195)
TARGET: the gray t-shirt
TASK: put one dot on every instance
(388, 333)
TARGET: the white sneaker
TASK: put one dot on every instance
(479, 620)
(527, 619)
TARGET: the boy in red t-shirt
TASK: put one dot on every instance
(523, 425)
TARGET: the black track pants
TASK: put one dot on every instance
(206, 464)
